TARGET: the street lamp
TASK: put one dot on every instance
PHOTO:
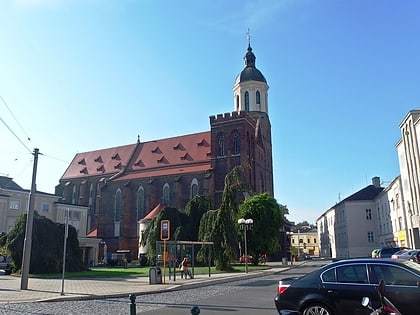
(245, 225)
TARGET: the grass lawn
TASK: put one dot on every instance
(137, 271)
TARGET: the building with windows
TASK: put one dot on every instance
(121, 185)
(409, 161)
(350, 228)
(14, 201)
(386, 217)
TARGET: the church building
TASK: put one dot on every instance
(121, 185)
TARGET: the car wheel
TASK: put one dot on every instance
(316, 309)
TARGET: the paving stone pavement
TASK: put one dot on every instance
(77, 289)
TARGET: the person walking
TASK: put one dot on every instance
(185, 270)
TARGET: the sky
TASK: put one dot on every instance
(84, 75)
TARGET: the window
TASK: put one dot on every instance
(247, 101)
(394, 275)
(166, 194)
(194, 188)
(352, 274)
(237, 102)
(257, 97)
(45, 208)
(14, 204)
(74, 215)
(90, 195)
(117, 212)
(370, 237)
(368, 214)
(221, 145)
(329, 276)
(73, 196)
(140, 203)
(236, 144)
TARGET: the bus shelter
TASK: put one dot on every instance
(175, 253)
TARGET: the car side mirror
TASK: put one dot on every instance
(365, 301)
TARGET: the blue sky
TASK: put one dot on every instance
(82, 75)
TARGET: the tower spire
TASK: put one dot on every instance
(248, 37)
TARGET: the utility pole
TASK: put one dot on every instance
(27, 244)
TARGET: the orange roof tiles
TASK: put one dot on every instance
(176, 155)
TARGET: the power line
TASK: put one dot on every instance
(10, 129)
(14, 117)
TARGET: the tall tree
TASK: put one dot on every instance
(47, 246)
(220, 226)
(268, 217)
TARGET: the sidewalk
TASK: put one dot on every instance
(77, 289)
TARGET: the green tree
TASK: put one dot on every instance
(47, 246)
(219, 226)
(268, 217)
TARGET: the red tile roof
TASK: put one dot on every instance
(176, 155)
(154, 212)
(93, 233)
(100, 162)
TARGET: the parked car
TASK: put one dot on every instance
(244, 258)
(305, 256)
(387, 252)
(338, 288)
(416, 257)
(403, 254)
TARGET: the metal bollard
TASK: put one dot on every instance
(132, 304)
(195, 310)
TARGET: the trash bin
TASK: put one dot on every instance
(155, 275)
(158, 275)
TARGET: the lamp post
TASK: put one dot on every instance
(245, 225)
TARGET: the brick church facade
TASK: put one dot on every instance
(121, 185)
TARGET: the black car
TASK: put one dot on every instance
(338, 288)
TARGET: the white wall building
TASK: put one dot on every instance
(409, 162)
(350, 229)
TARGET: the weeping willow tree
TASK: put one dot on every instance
(218, 226)
(184, 224)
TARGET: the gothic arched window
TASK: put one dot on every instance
(194, 188)
(236, 144)
(140, 203)
(117, 212)
(166, 191)
(247, 101)
(221, 145)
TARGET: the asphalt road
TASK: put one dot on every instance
(246, 296)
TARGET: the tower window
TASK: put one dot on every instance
(247, 101)
(237, 103)
(236, 144)
(221, 145)
(257, 97)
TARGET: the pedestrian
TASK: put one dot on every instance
(185, 270)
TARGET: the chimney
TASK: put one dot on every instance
(376, 181)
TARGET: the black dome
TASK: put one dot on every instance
(250, 73)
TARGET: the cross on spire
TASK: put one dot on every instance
(248, 36)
